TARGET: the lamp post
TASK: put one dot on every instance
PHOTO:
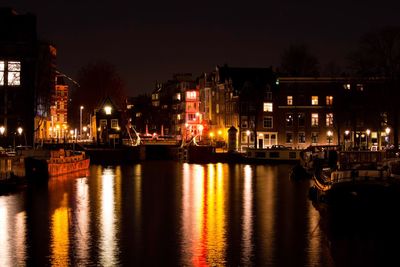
(346, 138)
(2, 131)
(329, 134)
(368, 132)
(248, 138)
(80, 122)
(387, 131)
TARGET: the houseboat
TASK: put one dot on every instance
(274, 154)
(356, 178)
(61, 162)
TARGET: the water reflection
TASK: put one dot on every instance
(168, 213)
(12, 231)
(60, 234)
(82, 212)
(108, 243)
(203, 218)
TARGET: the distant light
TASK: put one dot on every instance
(19, 130)
(81, 107)
(247, 132)
(107, 109)
(368, 131)
(211, 134)
(387, 130)
(2, 130)
(71, 132)
(277, 82)
(84, 128)
(219, 132)
(201, 127)
(329, 133)
(346, 132)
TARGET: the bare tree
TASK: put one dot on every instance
(97, 81)
(298, 61)
(378, 55)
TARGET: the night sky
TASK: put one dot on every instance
(149, 41)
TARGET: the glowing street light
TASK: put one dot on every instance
(368, 132)
(19, 130)
(329, 134)
(248, 138)
(2, 130)
(387, 131)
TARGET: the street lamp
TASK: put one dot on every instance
(80, 122)
(387, 131)
(329, 133)
(368, 132)
(2, 130)
(248, 138)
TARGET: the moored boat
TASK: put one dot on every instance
(60, 162)
(361, 179)
(273, 154)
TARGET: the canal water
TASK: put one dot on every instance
(166, 213)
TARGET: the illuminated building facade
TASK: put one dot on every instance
(27, 75)
(107, 123)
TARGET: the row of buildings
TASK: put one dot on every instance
(264, 108)
(268, 110)
(34, 94)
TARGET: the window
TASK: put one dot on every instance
(114, 123)
(191, 95)
(302, 137)
(178, 117)
(314, 138)
(178, 96)
(243, 122)
(2, 64)
(329, 119)
(289, 137)
(329, 100)
(267, 107)
(301, 119)
(217, 108)
(138, 114)
(103, 123)
(346, 86)
(191, 117)
(314, 100)
(267, 122)
(289, 100)
(314, 119)
(12, 71)
(289, 119)
(360, 87)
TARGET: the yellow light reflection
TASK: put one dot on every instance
(215, 217)
(138, 194)
(107, 220)
(247, 225)
(314, 233)
(203, 216)
(60, 234)
(266, 209)
(5, 253)
(20, 238)
(82, 236)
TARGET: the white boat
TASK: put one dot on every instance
(274, 154)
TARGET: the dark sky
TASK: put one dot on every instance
(149, 41)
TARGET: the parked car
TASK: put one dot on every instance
(279, 147)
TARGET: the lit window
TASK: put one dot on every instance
(178, 117)
(302, 137)
(314, 100)
(178, 96)
(329, 119)
(2, 63)
(114, 123)
(289, 119)
(267, 107)
(360, 87)
(138, 114)
(191, 95)
(289, 100)
(329, 100)
(14, 73)
(267, 122)
(346, 86)
(314, 119)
